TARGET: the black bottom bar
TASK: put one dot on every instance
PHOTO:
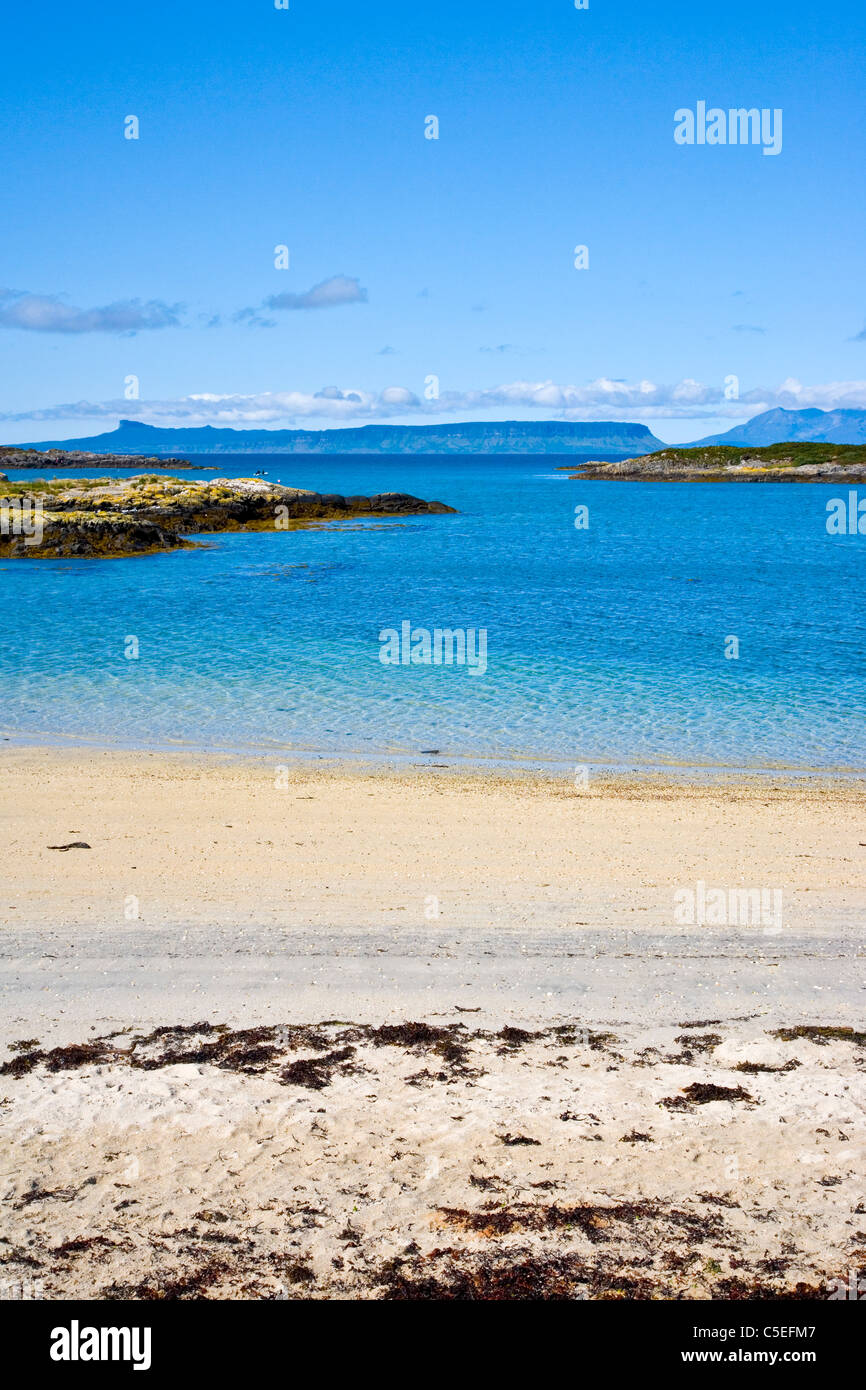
(221, 1340)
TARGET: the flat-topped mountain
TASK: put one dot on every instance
(474, 437)
(144, 445)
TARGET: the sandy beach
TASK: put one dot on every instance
(370, 1033)
(199, 840)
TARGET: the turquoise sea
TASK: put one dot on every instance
(604, 645)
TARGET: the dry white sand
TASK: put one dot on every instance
(338, 1160)
(430, 1163)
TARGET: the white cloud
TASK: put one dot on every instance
(339, 289)
(49, 313)
(398, 397)
(604, 399)
(328, 294)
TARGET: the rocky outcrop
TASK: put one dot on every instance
(258, 495)
(78, 458)
(105, 517)
(777, 463)
(71, 535)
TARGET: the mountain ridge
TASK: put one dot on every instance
(474, 437)
(781, 426)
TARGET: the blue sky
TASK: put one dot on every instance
(451, 258)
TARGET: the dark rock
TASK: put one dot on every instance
(105, 517)
(77, 534)
(77, 458)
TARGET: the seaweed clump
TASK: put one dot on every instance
(821, 1034)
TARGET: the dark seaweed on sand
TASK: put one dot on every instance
(699, 1042)
(702, 1093)
(754, 1068)
(316, 1072)
(821, 1035)
(598, 1223)
(257, 1051)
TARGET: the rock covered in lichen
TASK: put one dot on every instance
(797, 462)
(223, 504)
(75, 534)
(104, 516)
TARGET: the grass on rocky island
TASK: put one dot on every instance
(769, 456)
(786, 455)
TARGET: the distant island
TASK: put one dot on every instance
(134, 444)
(474, 437)
(24, 456)
(104, 517)
(795, 426)
(147, 445)
(777, 463)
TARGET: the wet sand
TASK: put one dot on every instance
(182, 840)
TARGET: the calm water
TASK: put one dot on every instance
(604, 645)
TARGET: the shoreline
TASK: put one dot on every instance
(284, 1078)
(185, 838)
(683, 774)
